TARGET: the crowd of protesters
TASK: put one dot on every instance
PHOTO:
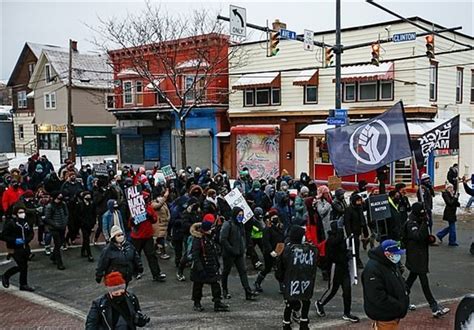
(189, 213)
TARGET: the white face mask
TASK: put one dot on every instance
(21, 215)
(120, 239)
(395, 258)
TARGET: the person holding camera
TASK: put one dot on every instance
(417, 240)
(117, 309)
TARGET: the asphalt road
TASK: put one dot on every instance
(169, 304)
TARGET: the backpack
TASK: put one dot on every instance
(189, 248)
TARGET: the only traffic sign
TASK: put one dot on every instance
(238, 21)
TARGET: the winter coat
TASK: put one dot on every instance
(108, 220)
(394, 224)
(416, 233)
(205, 258)
(385, 292)
(88, 217)
(339, 207)
(10, 197)
(71, 190)
(100, 197)
(160, 228)
(56, 216)
(16, 228)
(124, 259)
(452, 176)
(354, 220)
(100, 316)
(428, 194)
(271, 237)
(469, 190)
(283, 207)
(336, 249)
(324, 212)
(144, 230)
(404, 208)
(232, 238)
(300, 210)
(450, 209)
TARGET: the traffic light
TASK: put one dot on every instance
(430, 52)
(328, 56)
(274, 41)
(375, 54)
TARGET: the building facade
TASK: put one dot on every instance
(92, 124)
(148, 128)
(280, 104)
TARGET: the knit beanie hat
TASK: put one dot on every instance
(209, 218)
(272, 212)
(17, 207)
(296, 234)
(114, 281)
(114, 231)
(206, 225)
(256, 185)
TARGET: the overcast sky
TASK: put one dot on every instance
(55, 22)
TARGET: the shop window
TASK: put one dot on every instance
(249, 96)
(368, 91)
(49, 141)
(310, 94)
(386, 90)
(349, 92)
(321, 154)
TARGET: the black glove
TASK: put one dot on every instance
(98, 279)
(140, 319)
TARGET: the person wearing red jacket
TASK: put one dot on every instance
(11, 196)
(142, 239)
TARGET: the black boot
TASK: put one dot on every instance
(304, 325)
(250, 295)
(198, 307)
(220, 307)
(226, 294)
(90, 258)
(258, 282)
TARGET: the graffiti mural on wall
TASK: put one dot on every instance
(260, 153)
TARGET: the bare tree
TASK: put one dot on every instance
(156, 36)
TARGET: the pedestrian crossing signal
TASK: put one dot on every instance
(430, 52)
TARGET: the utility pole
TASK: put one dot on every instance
(71, 143)
(338, 51)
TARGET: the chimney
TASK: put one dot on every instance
(74, 45)
(277, 25)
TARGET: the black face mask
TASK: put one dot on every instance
(118, 299)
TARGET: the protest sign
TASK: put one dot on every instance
(136, 204)
(101, 169)
(235, 198)
(168, 172)
(334, 182)
(379, 207)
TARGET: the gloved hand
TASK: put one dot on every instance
(19, 241)
(274, 254)
(98, 279)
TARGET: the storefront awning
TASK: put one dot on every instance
(156, 82)
(367, 72)
(223, 134)
(258, 80)
(307, 77)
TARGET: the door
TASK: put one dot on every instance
(301, 156)
(226, 161)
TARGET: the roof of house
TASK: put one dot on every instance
(90, 70)
(38, 48)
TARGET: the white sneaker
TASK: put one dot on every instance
(412, 307)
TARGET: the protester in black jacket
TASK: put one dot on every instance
(337, 253)
(404, 204)
(70, 190)
(87, 219)
(119, 255)
(450, 197)
(339, 205)
(386, 297)
(56, 218)
(394, 224)
(453, 175)
(273, 235)
(417, 244)
(205, 268)
(427, 191)
(232, 239)
(117, 309)
(355, 224)
(17, 234)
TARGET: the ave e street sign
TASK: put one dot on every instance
(287, 34)
(238, 21)
(402, 37)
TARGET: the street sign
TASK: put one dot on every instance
(336, 121)
(339, 113)
(238, 21)
(308, 40)
(401, 37)
(287, 34)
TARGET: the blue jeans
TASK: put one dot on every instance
(451, 230)
(469, 202)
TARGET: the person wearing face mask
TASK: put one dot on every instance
(56, 217)
(323, 206)
(209, 205)
(417, 244)
(232, 239)
(119, 255)
(11, 196)
(394, 224)
(255, 196)
(17, 234)
(112, 217)
(86, 208)
(117, 309)
(273, 235)
(282, 204)
(268, 197)
(355, 224)
(301, 212)
(70, 191)
(451, 198)
(386, 298)
(37, 177)
(425, 195)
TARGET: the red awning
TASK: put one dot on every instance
(257, 129)
(367, 72)
(307, 77)
(258, 80)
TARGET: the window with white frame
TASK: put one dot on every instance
(472, 86)
(433, 81)
(139, 92)
(194, 87)
(110, 99)
(368, 91)
(262, 96)
(31, 68)
(386, 90)
(21, 132)
(47, 73)
(127, 92)
(22, 100)
(249, 98)
(50, 100)
(310, 94)
(459, 78)
(275, 96)
(349, 92)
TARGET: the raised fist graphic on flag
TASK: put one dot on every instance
(369, 139)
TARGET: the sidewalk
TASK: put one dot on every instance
(421, 319)
(20, 313)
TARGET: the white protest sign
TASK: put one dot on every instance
(235, 198)
(136, 204)
(168, 172)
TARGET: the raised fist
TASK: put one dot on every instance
(368, 139)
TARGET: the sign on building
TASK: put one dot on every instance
(308, 40)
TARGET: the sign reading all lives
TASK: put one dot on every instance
(136, 204)
(379, 207)
(401, 37)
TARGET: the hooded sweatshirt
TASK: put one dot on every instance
(110, 218)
